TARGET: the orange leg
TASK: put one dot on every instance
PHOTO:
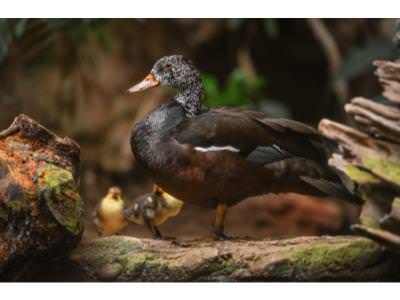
(219, 221)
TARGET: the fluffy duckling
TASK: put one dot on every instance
(109, 215)
(153, 209)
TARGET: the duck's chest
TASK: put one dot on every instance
(151, 141)
(111, 208)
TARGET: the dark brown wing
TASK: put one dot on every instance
(256, 137)
(294, 151)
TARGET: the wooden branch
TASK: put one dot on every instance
(40, 208)
(120, 258)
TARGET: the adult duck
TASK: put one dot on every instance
(218, 157)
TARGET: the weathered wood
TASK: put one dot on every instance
(380, 236)
(381, 120)
(370, 157)
(388, 73)
(120, 258)
(40, 208)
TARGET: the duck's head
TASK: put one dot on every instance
(174, 71)
(114, 193)
(178, 72)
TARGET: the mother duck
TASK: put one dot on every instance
(218, 157)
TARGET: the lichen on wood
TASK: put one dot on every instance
(120, 258)
(41, 212)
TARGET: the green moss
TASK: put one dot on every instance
(360, 176)
(390, 170)
(213, 268)
(326, 261)
(57, 178)
(133, 264)
(105, 250)
(137, 263)
(62, 198)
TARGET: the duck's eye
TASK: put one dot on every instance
(167, 67)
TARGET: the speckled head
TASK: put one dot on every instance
(178, 72)
(175, 71)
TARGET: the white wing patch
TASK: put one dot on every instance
(217, 148)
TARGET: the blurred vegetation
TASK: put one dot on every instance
(359, 59)
(238, 90)
(72, 73)
(38, 43)
(37, 38)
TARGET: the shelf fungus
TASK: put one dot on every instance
(370, 159)
(41, 212)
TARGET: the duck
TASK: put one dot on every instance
(109, 215)
(153, 209)
(218, 157)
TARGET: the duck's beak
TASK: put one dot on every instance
(145, 84)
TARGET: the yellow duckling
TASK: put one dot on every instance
(109, 215)
(153, 209)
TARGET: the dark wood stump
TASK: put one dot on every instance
(40, 207)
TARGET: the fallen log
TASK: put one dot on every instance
(41, 212)
(343, 258)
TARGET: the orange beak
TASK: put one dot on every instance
(145, 84)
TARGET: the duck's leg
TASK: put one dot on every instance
(153, 229)
(219, 222)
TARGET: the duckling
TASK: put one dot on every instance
(153, 209)
(109, 215)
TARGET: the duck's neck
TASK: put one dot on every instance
(190, 98)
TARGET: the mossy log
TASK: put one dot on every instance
(120, 258)
(40, 207)
(370, 160)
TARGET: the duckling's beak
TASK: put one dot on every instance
(145, 84)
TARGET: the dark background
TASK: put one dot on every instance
(72, 76)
